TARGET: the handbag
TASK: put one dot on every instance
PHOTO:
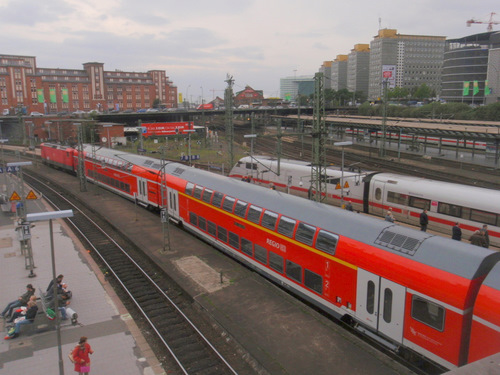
(84, 368)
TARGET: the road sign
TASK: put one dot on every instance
(31, 195)
(15, 197)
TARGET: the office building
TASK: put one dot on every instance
(412, 60)
(326, 69)
(339, 73)
(358, 67)
(470, 64)
(290, 87)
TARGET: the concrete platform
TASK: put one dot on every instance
(275, 331)
(119, 347)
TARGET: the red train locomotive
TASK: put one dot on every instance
(408, 289)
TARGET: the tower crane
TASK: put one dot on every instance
(490, 22)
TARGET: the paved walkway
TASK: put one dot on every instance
(119, 347)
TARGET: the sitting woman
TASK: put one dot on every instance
(20, 311)
(28, 319)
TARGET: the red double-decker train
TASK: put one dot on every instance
(410, 290)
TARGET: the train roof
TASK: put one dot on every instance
(121, 157)
(493, 278)
(463, 195)
(458, 258)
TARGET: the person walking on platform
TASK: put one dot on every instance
(80, 356)
(478, 239)
(21, 301)
(456, 232)
(424, 220)
(486, 235)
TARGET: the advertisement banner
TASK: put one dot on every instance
(65, 96)
(53, 98)
(475, 90)
(167, 128)
(41, 97)
(389, 75)
(465, 91)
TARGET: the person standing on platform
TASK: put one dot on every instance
(478, 239)
(424, 220)
(348, 206)
(389, 216)
(80, 355)
(456, 232)
(486, 235)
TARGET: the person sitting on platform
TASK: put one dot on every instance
(21, 311)
(62, 302)
(21, 301)
(50, 289)
(28, 319)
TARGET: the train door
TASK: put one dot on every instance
(173, 203)
(380, 304)
(377, 194)
(142, 189)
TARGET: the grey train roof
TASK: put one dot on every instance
(452, 256)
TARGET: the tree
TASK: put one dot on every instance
(423, 92)
(156, 103)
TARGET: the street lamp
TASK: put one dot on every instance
(186, 98)
(189, 131)
(342, 144)
(42, 216)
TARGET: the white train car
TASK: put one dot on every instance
(294, 177)
(375, 193)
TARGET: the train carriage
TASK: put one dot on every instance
(58, 156)
(374, 276)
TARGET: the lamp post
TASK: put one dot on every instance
(1, 140)
(42, 216)
(189, 131)
(342, 144)
(186, 98)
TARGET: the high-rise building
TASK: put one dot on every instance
(411, 59)
(326, 69)
(358, 67)
(470, 64)
(51, 90)
(290, 87)
(339, 73)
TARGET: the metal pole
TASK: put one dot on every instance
(342, 181)
(56, 302)
(399, 145)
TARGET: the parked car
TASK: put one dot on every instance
(142, 110)
(150, 110)
(36, 114)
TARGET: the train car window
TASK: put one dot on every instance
(378, 194)
(260, 253)
(276, 262)
(197, 191)
(450, 209)
(286, 226)
(228, 204)
(234, 240)
(370, 297)
(189, 188)
(241, 208)
(193, 218)
(327, 242)
(222, 234)
(251, 166)
(397, 198)
(305, 233)
(217, 199)
(423, 204)
(483, 217)
(428, 313)
(294, 271)
(246, 246)
(269, 219)
(202, 223)
(387, 305)
(254, 213)
(313, 281)
(207, 195)
(212, 228)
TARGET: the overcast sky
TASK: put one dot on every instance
(199, 42)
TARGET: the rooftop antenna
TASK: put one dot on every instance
(379, 23)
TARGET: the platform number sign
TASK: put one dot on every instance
(163, 215)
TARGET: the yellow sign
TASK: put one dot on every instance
(31, 195)
(15, 197)
(338, 187)
(346, 185)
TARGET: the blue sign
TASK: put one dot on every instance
(12, 169)
(193, 157)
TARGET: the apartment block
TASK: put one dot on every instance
(358, 67)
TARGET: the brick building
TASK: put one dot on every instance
(249, 97)
(51, 90)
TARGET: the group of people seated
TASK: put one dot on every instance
(24, 309)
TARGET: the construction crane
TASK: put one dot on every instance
(490, 22)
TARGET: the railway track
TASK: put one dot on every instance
(161, 305)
